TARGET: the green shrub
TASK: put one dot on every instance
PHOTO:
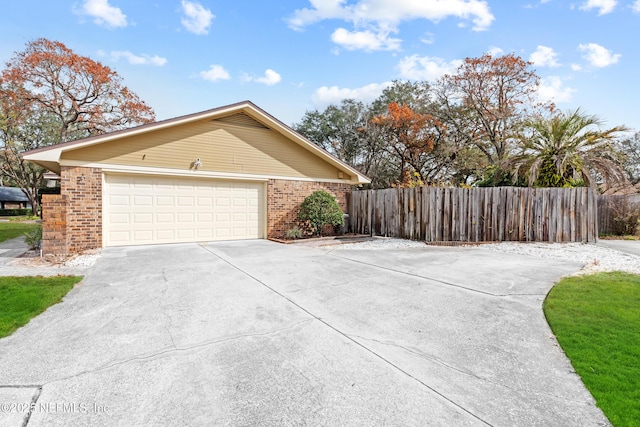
(320, 208)
(33, 238)
(15, 212)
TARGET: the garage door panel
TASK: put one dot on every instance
(143, 200)
(186, 234)
(165, 236)
(205, 201)
(239, 232)
(144, 210)
(185, 201)
(143, 218)
(222, 234)
(142, 184)
(163, 217)
(186, 218)
(205, 233)
(119, 218)
(164, 200)
(205, 217)
(119, 237)
(119, 200)
(143, 235)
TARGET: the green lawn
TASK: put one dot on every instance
(596, 319)
(9, 230)
(22, 298)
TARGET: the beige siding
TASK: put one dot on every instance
(221, 147)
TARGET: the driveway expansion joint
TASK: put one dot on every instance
(418, 276)
(422, 355)
(346, 336)
(34, 398)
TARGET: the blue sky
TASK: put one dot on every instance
(185, 56)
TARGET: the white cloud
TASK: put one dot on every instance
(139, 59)
(392, 12)
(417, 67)
(103, 13)
(544, 56)
(197, 18)
(270, 78)
(215, 73)
(603, 6)
(324, 95)
(552, 89)
(365, 40)
(374, 20)
(576, 67)
(636, 6)
(598, 56)
(429, 38)
(495, 51)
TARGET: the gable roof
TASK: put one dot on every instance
(49, 157)
(12, 194)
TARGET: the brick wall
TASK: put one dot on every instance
(284, 198)
(72, 220)
(54, 224)
(83, 190)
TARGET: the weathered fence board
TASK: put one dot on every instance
(477, 214)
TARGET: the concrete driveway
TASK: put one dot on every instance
(258, 333)
(628, 246)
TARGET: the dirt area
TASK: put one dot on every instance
(33, 259)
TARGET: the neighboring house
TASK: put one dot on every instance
(234, 172)
(13, 198)
(51, 179)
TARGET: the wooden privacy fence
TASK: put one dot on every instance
(477, 214)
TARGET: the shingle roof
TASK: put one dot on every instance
(12, 194)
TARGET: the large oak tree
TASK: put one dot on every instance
(48, 95)
(488, 99)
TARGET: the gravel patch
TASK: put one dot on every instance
(382, 243)
(33, 259)
(595, 258)
(82, 260)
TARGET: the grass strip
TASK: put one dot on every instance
(596, 319)
(22, 298)
(10, 230)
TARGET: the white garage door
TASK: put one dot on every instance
(141, 210)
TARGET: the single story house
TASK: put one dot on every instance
(233, 172)
(13, 198)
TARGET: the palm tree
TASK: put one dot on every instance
(567, 148)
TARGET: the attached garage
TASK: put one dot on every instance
(234, 172)
(141, 209)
